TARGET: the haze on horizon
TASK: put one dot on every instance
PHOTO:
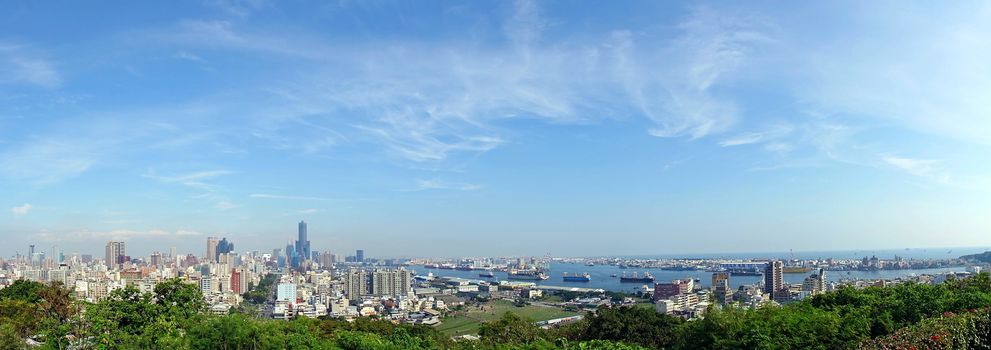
(496, 127)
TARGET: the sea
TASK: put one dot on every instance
(602, 275)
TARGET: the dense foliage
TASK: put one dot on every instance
(172, 317)
(260, 293)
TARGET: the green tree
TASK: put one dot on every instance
(510, 329)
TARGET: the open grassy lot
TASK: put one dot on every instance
(468, 321)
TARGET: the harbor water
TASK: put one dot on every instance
(602, 276)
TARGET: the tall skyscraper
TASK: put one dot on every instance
(359, 256)
(56, 255)
(773, 278)
(172, 256)
(114, 255)
(292, 257)
(223, 247)
(31, 255)
(211, 248)
(302, 244)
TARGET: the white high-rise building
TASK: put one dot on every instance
(286, 292)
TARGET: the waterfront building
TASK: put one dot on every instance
(389, 282)
(773, 280)
(672, 289)
(720, 288)
(815, 283)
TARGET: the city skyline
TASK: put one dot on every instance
(495, 128)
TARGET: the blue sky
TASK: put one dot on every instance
(496, 127)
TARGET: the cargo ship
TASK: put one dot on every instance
(465, 268)
(431, 266)
(746, 273)
(577, 278)
(446, 267)
(487, 274)
(527, 275)
(635, 278)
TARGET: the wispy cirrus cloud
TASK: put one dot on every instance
(927, 168)
(193, 180)
(18, 64)
(427, 102)
(435, 184)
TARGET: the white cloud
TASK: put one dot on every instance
(927, 168)
(771, 134)
(427, 102)
(194, 180)
(21, 210)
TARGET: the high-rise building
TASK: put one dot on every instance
(356, 284)
(286, 292)
(156, 259)
(815, 283)
(172, 256)
(56, 255)
(31, 256)
(292, 257)
(720, 288)
(392, 283)
(773, 280)
(326, 260)
(114, 255)
(237, 281)
(302, 244)
(223, 247)
(211, 248)
(359, 255)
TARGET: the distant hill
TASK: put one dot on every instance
(982, 257)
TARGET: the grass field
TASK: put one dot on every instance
(467, 322)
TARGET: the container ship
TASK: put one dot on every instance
(527, 275)
(446, 267)
(577, 278)
(486, 274)
(646, 278)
